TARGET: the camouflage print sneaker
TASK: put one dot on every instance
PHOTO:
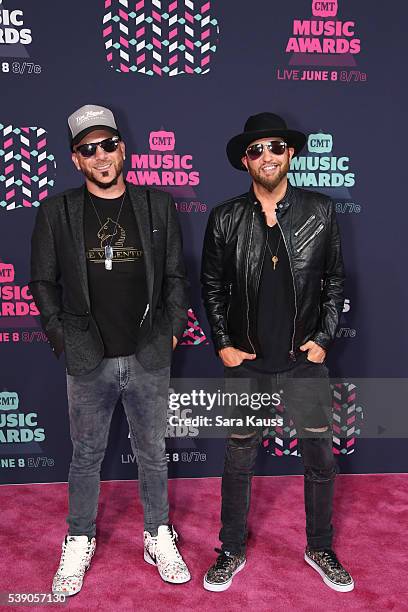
(219, 576)
(331, 570)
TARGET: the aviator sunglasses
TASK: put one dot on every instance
(109, 145)
(277, 147)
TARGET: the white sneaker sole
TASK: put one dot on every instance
(151, 561)
(336, 587)
(218, 588)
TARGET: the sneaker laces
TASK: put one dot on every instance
(223, 559)
(330, 558)
(167, 545)
(74, 555)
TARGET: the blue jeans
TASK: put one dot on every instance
(91, 400)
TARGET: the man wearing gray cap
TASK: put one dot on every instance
(108, 278)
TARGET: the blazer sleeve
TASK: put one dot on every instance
(44, 284)
(176, 285)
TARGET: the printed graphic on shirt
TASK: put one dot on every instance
(113, 234)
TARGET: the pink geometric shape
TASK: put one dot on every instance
(173, 33)
(107, 31)
(43, 194)
(7, 143)
(172, 6)
(42, 169)
(124, 15)
(205, 7)
(350, 442)
(9, 168)
(108, 3)
(140, 32)
(140, 59)
(205, 61)
(278, 452)
(188, 17)
(351, 420)
(10, 194)
(157, 69)
(124, 68)
(41, 143)
(205, 34)
(26, 179)
(139, 5)
(25, 153)
(109, 57)
(124, 42)
(189, 44)
(173, 60)
(156, 43)
(156, 16)
(26, 203)
(26, 130)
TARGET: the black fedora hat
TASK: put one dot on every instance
(258, 126)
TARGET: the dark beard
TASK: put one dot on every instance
(101, 185)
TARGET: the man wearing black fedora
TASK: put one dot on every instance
(272, 277)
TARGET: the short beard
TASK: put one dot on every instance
(100, 184)
(271, 184)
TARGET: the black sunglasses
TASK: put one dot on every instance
(109, 145)
(277, 147)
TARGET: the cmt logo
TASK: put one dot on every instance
(162, 141)
(8, 401)
(320, 143)
(6, 273)
(324, 9)
(160, 37)
(27, 169)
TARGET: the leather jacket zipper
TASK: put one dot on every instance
(304, 226)
(229, 304)
(246, 283)
(306, 242)
(292, 351)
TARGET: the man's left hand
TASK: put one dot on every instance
(174, 342)
(315, 353)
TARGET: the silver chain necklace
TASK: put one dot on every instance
(108, 247)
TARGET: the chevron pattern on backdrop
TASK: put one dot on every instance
(160, 37)
(347, 418)
(26, 170)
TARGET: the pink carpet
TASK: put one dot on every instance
(371, 520)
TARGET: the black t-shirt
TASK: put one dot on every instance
(118, 296)
(276, 308)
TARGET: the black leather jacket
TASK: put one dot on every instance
(233, 254)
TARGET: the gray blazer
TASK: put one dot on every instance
(59, 280)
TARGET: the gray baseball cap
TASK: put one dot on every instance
(89, 118)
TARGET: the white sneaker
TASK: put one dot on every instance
(162, 552)
(77, 552)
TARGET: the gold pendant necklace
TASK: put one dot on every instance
(275, 257)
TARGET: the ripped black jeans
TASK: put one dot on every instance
(317, 455)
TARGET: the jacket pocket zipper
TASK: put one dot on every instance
(306, 242)
(304, 226)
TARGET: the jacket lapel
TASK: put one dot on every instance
(140, 207)
(75, 213)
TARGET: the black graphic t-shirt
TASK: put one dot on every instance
(118, 296)
(276, 309)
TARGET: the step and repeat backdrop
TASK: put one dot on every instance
(182, 77)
